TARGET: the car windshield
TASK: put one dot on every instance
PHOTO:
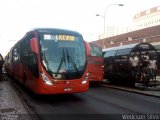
(62, 54)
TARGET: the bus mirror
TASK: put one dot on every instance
(87, 48)
(34, 45)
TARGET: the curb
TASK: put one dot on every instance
(147, 93)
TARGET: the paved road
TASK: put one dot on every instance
(99, 102)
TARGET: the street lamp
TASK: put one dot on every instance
(104, 17)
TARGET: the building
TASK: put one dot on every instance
(147, 18)
(146, 29)
(116, 30)
(150, 34)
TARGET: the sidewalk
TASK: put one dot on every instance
(11, 107)
(150, 91)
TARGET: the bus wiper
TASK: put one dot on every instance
(46, 64)
(49, 71)
(45, 61)
(74, 65)
(60, 65)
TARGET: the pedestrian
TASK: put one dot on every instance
(145, 59)
(144, 65)
(152, 66)
(134, 63)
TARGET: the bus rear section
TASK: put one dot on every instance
(95, 63)
(51, 61)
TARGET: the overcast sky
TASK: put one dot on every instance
(19, 16)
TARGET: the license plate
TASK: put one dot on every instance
(67, 89)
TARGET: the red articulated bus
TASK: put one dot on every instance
(50, 61)
(95, 63)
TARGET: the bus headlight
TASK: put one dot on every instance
(85, 79)
(46, 79)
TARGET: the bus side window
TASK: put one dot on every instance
(25, 48)
(27, 56)
(1, 58)
(33, 59)
(15, 55)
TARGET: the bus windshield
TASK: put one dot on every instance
(96, 50)
(63, 54)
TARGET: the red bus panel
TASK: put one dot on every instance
(95, 63)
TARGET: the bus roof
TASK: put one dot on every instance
(120, 47)
(56, 30)
(138, 47)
